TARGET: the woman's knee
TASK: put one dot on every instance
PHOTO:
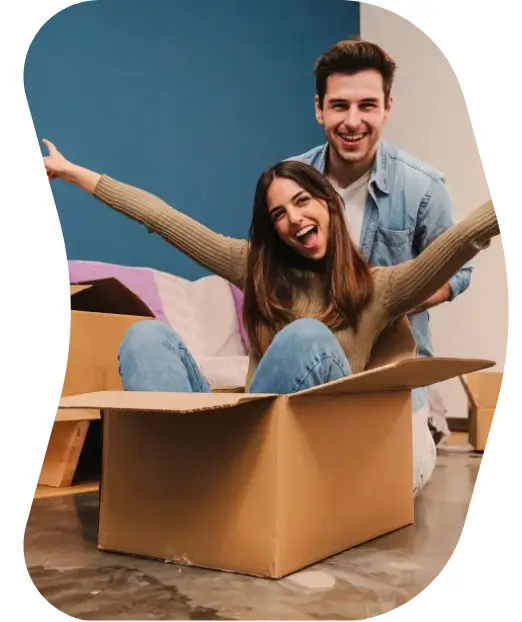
(304, 354)
(147, 334)
(306, 331)
(308, 339)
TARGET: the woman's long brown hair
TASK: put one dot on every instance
(348, 284)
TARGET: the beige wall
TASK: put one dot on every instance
(431, 121)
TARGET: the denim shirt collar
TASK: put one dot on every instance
(379, 175)
(380, 167)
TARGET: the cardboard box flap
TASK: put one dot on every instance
(401, 375)
(472, 399)
(482, 389)
(107, 296)
(158, 401)
(77, 414)
(76, 288)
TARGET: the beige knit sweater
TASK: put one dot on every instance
(397, 289)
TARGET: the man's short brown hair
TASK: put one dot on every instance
(349, 57)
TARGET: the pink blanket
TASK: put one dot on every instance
(142, 282)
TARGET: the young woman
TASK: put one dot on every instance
(313, 308)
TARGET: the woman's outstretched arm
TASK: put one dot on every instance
(411, 283)
(222, 255)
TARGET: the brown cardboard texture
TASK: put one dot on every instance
(101, 313)
(482, 390)
(260, 484)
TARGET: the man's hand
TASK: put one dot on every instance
(440, 296)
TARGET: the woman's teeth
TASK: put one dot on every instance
(307, 236)
(302, 232)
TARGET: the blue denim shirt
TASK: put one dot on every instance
(408, 206)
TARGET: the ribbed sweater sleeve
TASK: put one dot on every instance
(412, 282)
(223, 256)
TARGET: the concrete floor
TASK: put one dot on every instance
(68, 570)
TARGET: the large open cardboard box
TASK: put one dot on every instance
(101, 313)
(482, 390)
(261, 484)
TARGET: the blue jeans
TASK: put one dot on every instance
(305, 354)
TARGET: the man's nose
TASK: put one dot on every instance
(352, 118)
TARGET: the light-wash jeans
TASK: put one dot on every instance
(305, 354)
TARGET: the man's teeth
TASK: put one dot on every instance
(351, 137)
(304, 231)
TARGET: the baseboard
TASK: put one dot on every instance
(458, 424)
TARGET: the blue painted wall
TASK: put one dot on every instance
(189, 99)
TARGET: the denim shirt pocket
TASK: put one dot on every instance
(392, 246)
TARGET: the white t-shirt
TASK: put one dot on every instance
(354, 198)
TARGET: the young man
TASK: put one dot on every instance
(395, 204)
